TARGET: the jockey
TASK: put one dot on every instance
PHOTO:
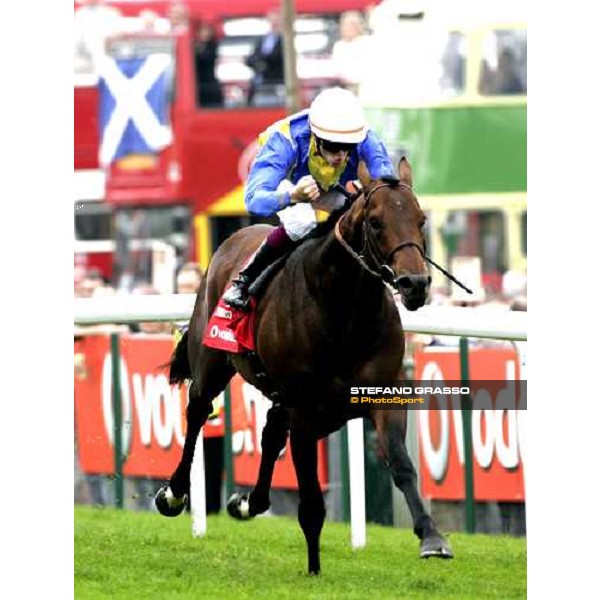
(300, 158)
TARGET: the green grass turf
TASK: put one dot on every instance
(125, 554)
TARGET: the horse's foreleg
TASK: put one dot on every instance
(274, 437)
(391, 433)
(171, 500)
(311, 510)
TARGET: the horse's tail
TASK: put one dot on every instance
(179, 367)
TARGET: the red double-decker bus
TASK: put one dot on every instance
(189, 194)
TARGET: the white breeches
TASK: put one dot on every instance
(300, 219)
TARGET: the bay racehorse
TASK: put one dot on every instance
(326, 320)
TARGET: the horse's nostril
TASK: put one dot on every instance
(404, 282)
(413, 282)
(422, 282)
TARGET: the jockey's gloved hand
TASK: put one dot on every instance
(355, 188)
(306, 190)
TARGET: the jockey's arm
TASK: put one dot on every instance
(264, 194)
(372, 151)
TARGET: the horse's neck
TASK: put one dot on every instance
(341, 283)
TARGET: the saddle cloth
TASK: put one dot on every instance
(229, 329)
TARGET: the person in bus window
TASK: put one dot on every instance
(350, 51)
(205, 56)
(507, 80)
(178, 17)
(266, 61)
(500, 71)
(301, 158)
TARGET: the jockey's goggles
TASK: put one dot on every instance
(335, 147)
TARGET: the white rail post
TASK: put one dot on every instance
(198, 489)
(356, 461)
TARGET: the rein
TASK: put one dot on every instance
(350, 250)
(385, 273)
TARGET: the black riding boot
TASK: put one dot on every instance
(237, 295)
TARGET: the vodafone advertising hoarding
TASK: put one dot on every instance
(153, 412)
(154, 421)
(498, 435)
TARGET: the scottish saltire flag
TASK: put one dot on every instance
(134, 106)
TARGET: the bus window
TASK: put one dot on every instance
(433, 66)
(491, 241)
(478, 233)
(235, 68)
(93, 221)
(504, 65)
(452, 64)
(169, 224)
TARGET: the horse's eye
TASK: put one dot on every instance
(375, 223)
(422, 224)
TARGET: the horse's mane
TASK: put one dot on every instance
(324, 227)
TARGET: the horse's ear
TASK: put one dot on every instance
(405, 171)
(363, 174)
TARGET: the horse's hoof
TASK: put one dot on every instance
(167, 505)
(238, 506)
(435, 545)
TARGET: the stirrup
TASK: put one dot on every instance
(241, 280)
(237, 295)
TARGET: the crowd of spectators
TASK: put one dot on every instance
(512, 297)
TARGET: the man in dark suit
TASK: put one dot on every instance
(267, 61)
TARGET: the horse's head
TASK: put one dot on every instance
(385, 226)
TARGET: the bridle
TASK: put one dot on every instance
(369, 245)
(382, 263)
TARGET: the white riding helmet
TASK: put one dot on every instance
(336, 115)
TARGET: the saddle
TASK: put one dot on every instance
(232, 330)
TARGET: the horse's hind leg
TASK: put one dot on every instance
(215, 373)
(274, 437)
(391, 435)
